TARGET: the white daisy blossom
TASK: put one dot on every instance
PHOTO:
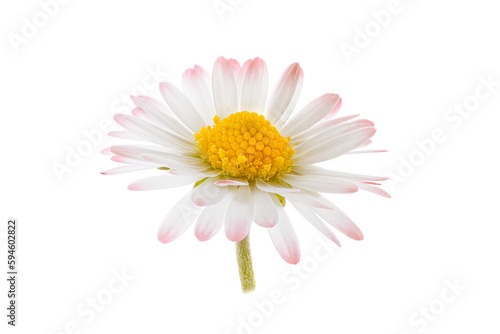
(247, 153)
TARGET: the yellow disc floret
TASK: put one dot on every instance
(245, 144)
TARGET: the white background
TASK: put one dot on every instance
(441, 224)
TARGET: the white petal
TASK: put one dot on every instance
(162, 182)
(161, 114)
(336, 147)
(224, 88)
(321, 184)
(197, 91)
(284, 96)
(239, 214)
(201, 174)
(207, 193)
(153, 133)
(254, 94)
(135, 152)
(367, 151)
(175, 161)
(212, 218)
(182, 107)
(309, 198)
(152, 105)
(183, 214)
(158, 157)
(315, 221)
(124, 135)
(264, 213)
(319, 171)
(131, 161)
(241, 77)
(310, 114)
(126, 169)
(273, 187)
(283, 236)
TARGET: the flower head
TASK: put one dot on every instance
(246, 154)
(245, 144)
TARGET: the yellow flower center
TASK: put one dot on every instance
(245, 144)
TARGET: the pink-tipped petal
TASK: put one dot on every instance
(285, 95)
(212, 219)
(158, 112)
(198, 93)
(205, 75)
(235, 65)
(335, 147)
(135, 152)
(241, 77)
(328, 135)
(106, 151)
(124, 135)
(334, 111)
(310, 114)
(182, 107)
(126, 169)
(131, 161)
(284, 237)
(367, 151)
(239, 214)
(207, 193)
(182, 215)
(322, 126)
(321, 184)
(341, 222)
(224, 88)
(254, 90)
(374, 190)
(319, 171)
(140, 113)
(150, 105)
(152, 133)
(265, 213)
(366, 143)
(311, 217)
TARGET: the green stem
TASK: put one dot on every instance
(245, 267)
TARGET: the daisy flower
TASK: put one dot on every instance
(246, 154)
